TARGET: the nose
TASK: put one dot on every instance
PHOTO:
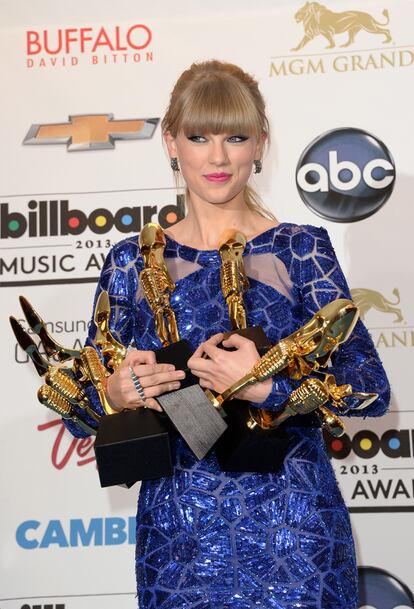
(218, 153)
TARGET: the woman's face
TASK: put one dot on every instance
(216, 168)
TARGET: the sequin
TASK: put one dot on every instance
(208, 539)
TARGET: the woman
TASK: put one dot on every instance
(208, 538)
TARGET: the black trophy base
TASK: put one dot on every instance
(178, 354)
(241, 449)
(254, 333)
(133, 445)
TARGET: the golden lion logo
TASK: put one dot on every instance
(371, 299)
(318, 20)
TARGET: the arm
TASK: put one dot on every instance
(120, 277)
(115, 278)
(320, 281)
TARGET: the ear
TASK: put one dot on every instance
(260, 146)
(170, 143)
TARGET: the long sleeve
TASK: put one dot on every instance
(119, 277)
(318, 279)
(321, 280)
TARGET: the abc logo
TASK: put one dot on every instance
(378, 589)
(345, 175)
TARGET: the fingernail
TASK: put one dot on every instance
(181, 374)
(176, 385)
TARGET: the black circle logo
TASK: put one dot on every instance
(382, 590)
(345, 175)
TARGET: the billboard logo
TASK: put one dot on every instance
(379, 589)
(51, 218)
(394, 443)
(345, 175)
(91, 132)
(317, 20)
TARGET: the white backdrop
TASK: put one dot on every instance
(65, 541)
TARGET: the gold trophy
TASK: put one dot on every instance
(112, 350)
(62, 391)
(157, 283)
(51, 346)
(249, 444)
(233, 278)
(134, 444)
(131, 445)
(195, 420)
(234, 283)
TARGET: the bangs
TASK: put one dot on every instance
(218, 106)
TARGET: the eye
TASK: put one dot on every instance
(237, 139)
(197, 139)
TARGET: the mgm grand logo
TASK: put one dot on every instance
(340, 30)
(393, 331)
(317, 20)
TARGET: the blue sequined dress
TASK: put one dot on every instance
(208, 539)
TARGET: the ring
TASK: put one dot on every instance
(137, 384)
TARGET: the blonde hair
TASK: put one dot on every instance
(219, 97)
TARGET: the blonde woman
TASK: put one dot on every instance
(206, 538)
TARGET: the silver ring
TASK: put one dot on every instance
(137, 384)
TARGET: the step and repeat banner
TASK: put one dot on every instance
(83, 165)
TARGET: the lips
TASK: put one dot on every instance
(217, 177)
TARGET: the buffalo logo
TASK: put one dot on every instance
(371, 299)
(91, 131)
(319, 21)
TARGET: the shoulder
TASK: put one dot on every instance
(125, 253)
(122, 257)
(300, 239)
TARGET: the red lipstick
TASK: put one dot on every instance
(217, 177)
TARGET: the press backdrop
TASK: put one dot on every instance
(67, 543)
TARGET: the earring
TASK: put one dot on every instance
(174, 163)
(257, 166)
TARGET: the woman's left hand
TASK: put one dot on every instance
(223, 368)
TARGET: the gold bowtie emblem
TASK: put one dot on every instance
(91, 131)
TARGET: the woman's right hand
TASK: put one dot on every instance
(155, 379)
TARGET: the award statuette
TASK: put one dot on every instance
(234, 282)
(61, 391)
(130, 446)
(192, 415)
(133, 444)
(304, 351)
(311, 396)
(51, 346)
(232, 448)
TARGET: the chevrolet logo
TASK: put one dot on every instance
(91, 131)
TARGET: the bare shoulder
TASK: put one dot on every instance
(176, 231)
(259, 225)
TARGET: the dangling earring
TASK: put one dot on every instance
(257, 166)
(174, 163)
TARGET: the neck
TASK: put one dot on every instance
(205, 225)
